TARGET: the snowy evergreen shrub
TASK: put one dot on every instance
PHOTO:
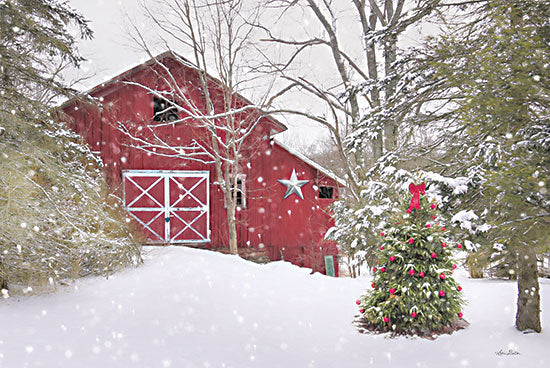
(58, 220)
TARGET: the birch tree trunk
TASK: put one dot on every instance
(233, 249)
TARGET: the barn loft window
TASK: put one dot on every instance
(239, 194)
(164, 110)
(326, 192)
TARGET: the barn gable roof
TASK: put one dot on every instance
(311, 163)
(162, 56)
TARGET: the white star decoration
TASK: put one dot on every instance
(293, 185)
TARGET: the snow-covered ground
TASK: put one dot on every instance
(194, 308)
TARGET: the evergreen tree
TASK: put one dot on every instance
(56, 222)
(496, 69)
(413, 290)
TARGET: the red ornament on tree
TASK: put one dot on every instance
(411, 240)
(454, 267)
(383, 269)
(433, 217)
(373, 286)
(374, 269)
(460, 315)
(434, 206)
(434, 255)
(459, 246)
(357, 302)
(459, 288)
(392, 258)
(383, 233)
(392, 290)
(413, 315)
(421, 274)
(386, 319)
(362, 310)
(442, 276)
(428, 225)
(444, 245)
(443, 229)
(411, 272)
(441, 293)
(382, 247)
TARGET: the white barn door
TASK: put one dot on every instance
(170, 206)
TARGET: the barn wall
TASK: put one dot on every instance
(292, 228)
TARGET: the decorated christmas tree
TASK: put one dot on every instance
(413, 290)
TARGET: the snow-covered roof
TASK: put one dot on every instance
(311, 163)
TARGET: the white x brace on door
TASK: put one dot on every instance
(171, 206)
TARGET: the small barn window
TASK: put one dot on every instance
(164, 110)
(240, 193)
(326, 192)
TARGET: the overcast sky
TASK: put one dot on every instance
(110, 50)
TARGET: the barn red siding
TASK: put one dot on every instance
(291, 228)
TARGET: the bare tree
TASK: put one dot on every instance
(369, 103)
(218, 35)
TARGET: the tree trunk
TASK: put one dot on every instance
(370, 47)
(474, 267)
(528, 309)
(390, 126)
(231, 220)
(3, 281)
(232, 235)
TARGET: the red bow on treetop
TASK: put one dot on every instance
(416, 191)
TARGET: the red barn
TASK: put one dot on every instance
(282, 196)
